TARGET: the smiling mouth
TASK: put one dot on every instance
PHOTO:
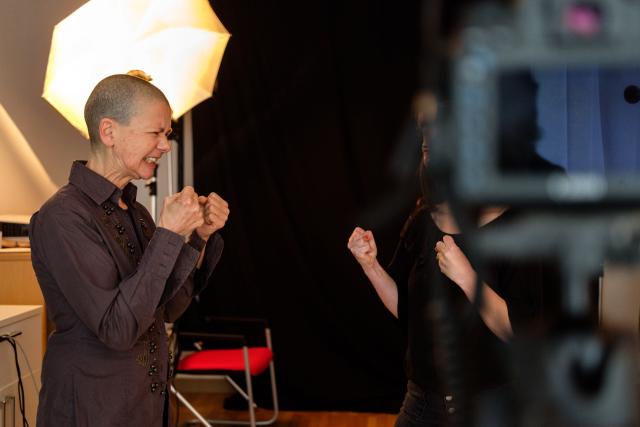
(152, 160)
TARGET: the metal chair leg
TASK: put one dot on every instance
(193, 410)
(247, 374)
(248, 395)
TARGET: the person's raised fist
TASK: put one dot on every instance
(181, 212)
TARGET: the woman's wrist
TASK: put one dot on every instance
(203, 235)
(469, 286)
(371, 266)
(196, 241)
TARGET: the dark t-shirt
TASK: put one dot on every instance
(416, 273)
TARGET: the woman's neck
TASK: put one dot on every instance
(103, 166)
(444, 219)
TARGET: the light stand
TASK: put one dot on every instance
(179, 159)
(152, 185)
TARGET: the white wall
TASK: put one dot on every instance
(25, 38)
(25, 183)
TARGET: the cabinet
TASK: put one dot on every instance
(26, 319)
(18, 283)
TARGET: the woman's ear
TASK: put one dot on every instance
(107, 130)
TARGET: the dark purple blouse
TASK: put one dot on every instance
(110, 280)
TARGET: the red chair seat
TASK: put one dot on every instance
(227, 360)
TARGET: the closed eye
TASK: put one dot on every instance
(168, 133)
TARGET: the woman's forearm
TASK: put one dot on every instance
(494, 313)
(384, 285)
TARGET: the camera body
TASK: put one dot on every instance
(485, 151)
(536, 35)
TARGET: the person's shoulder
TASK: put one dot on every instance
(541, 165)
(510, 215)
(66, 202)
(415, 223)
(61, 199)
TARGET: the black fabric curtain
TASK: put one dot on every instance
(309, 134)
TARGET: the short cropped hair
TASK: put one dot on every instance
(117, 97)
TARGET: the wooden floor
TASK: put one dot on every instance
(211, 406)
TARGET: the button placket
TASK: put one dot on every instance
(108, 208)
(170, 364)
(121, 233)
(154, 370)
(120, 228)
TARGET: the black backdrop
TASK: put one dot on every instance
(302, 139)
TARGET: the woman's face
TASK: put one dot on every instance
(143, 141)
